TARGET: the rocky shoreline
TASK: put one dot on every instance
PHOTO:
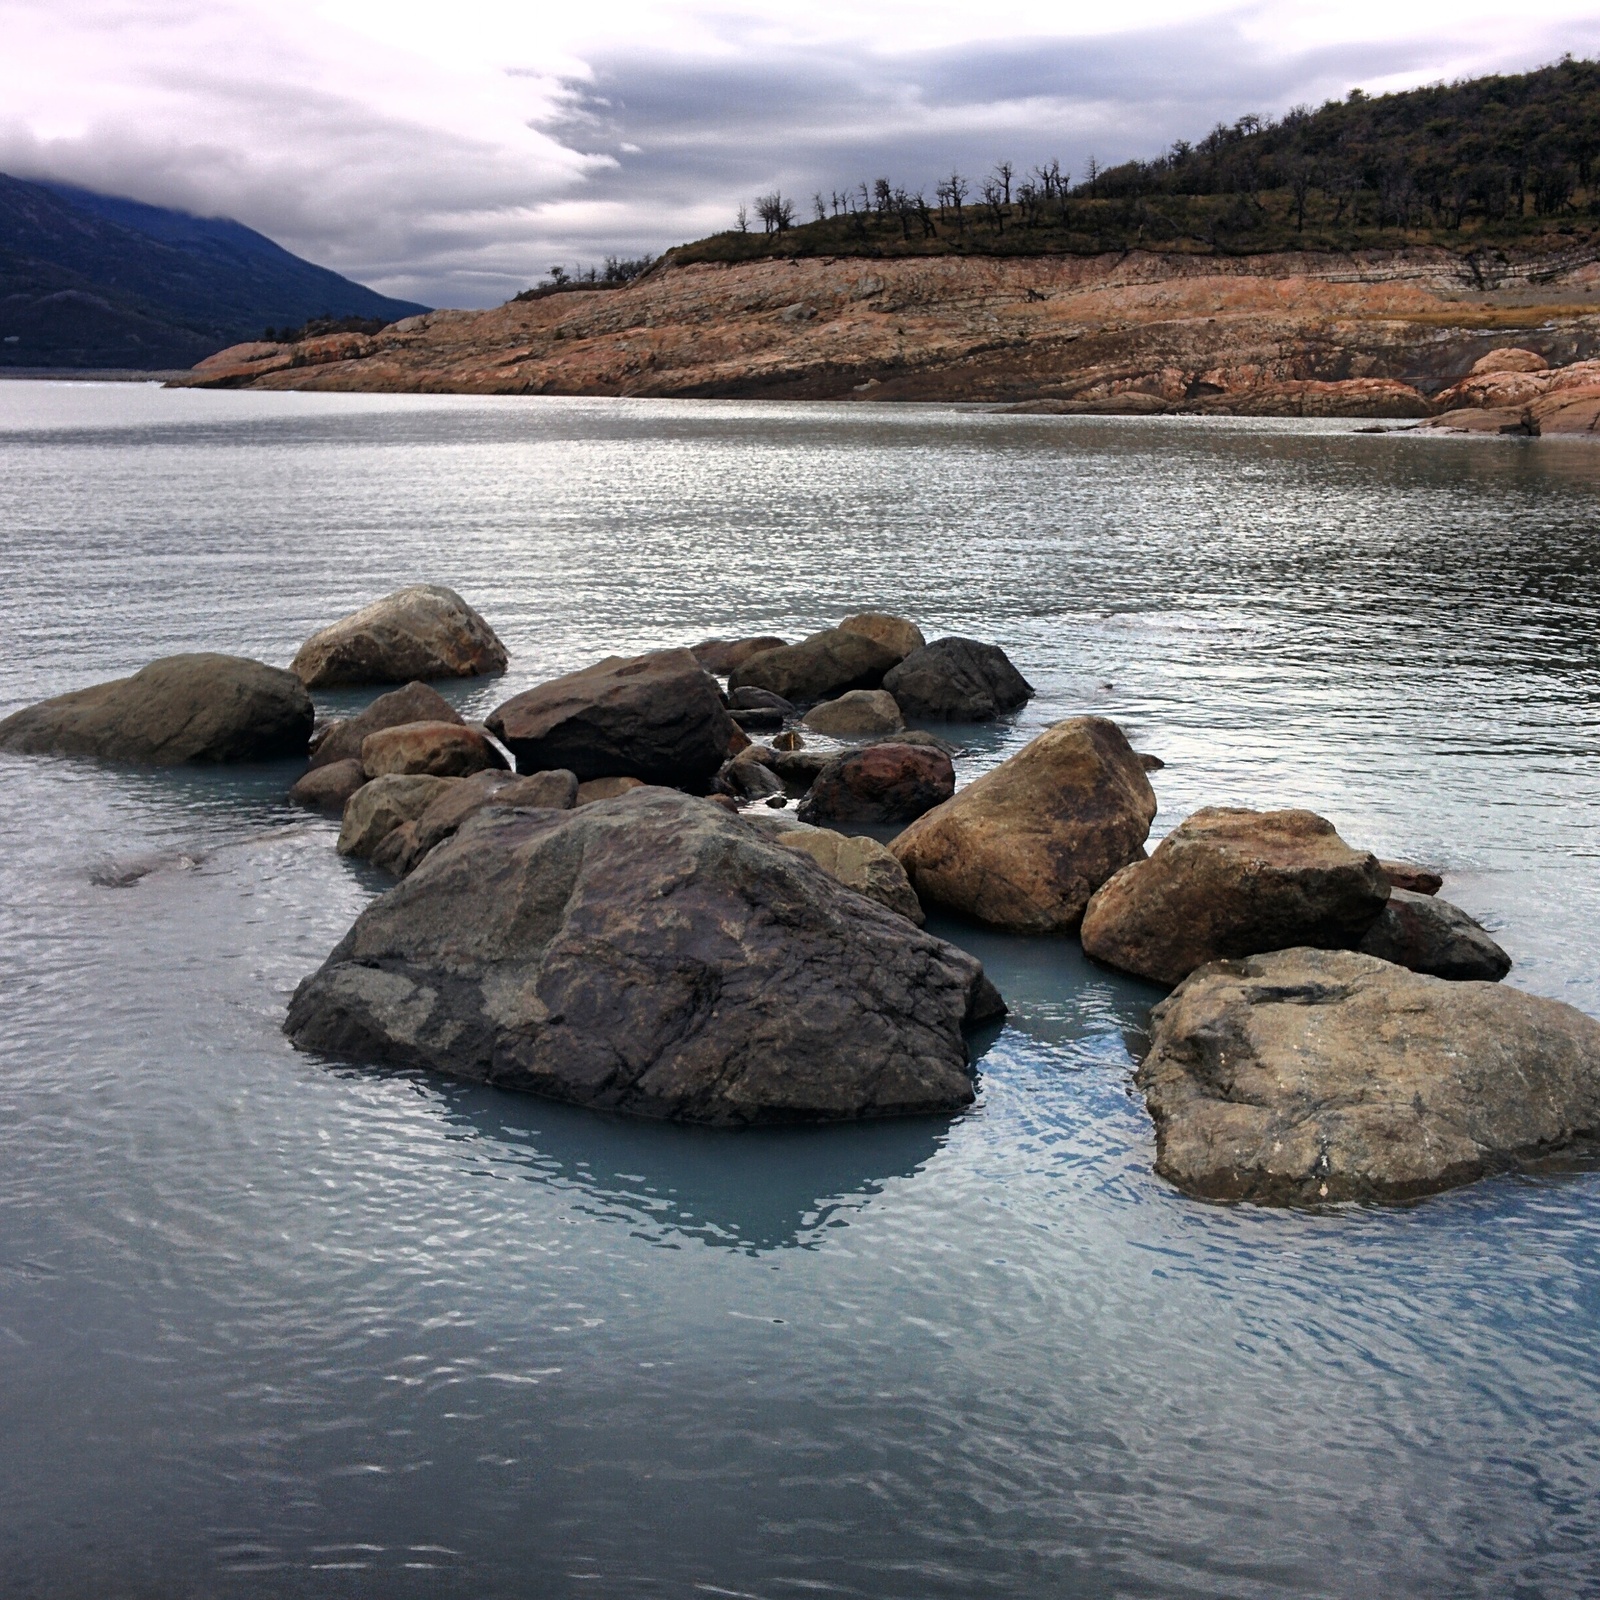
(613, 893)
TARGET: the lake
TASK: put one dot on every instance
(275, 1326)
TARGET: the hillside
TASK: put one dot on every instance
(89, 280)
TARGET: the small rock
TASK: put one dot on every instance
(777, 802)
(416, 702)
(880, 783)
(1433, 936)
(377, 808)
(749, 698)
(861, 711)
(750, 780)
(861, 864)
(788, 741)
(1150, 763)
(721, 656)
(799, 768)
(957, 680)
(605, 789)
(1509, 358)
(818, 668)
(893, 633)
(1302, 1076)
(1403, 875)
(426, 631)
(443, 749)
(326, 789)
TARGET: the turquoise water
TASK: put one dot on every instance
(272, 1326)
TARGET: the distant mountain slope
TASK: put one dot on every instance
(89, 280)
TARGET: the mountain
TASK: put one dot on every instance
(89, 280)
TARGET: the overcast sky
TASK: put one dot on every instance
(451, 150)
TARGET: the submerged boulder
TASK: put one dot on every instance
(880, 783)
(652, 955)
(376, 809)
(957, 680)
(721, 656)
(852, 715)
(818, 668)
(1311, 1075)
(892, 632)
(426, 631)
(1229, 882)
(1433, 936)
(200, 708)
(416, 702)
(1024, 846)
(656, 717)
(328, 788)
(444, 749)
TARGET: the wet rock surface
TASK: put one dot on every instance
(1431, 935)
(880, 783)
(416, 702)
(957, 680)
(202, 708)
(1304, 1075)
(820, 667)
(443, 749)
(425, 631)
(651, 955)
(1229, 882)
(1024, 846)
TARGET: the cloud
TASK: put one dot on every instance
(452, 153)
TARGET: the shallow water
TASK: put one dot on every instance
(271, 1326)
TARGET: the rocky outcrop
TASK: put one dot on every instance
(880, 783)
(1433, 936)
(1309, 1075)
(199, 708)
(650, 955)
(377, 808)
(426, 631)
(856, 714)
(1517, 392)
(818, 668)
(444, 749)
(416, 702)
(327, 788)
(656, 717)
(1228, 882)
(892, 632)
(957, 680)
(721, 656)
(1024, 846)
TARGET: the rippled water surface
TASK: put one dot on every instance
(274, 1327)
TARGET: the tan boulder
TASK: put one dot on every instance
(605, 789)
(1407, 875)
(416, 702)
(1228, 883)
(376, 809)
(328, 788)
(860, 712)
(858, 863)
(721, 656)
(1509, 359)
(1496, 419)
(425, 631)
(442, 749)
(893, 633)
(407, 845)
(1025, 845)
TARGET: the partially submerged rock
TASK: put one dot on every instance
(327, 788)
(425, 631)
(416, 702)
(1308, 1075)
(443, 749)
(860, 712)
(893, 633)
(1405, 875)
(1024, 846)
(721, 656)
(376, 809)
(818, 668)
(1229, 882)
(201, 708)
(656, 717)
(957, 680)
(1433, 936)
(650, 955)
(880, 783)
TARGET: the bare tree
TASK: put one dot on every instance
(994, 197)
(954, 188)
(776, 213)
(1299, 189)
(1092, 177)
(818, 207)
(1004, 172)
(743, 218)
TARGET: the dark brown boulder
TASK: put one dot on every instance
(818, 668)
(721, 656)
(1229, 883)
(443, 749)
(426, 631)
(1321, 1075)
(416, 702)
(880, 783)
(651, 955)
(656, 717)
(957, 680)
(201, 708)
(1433, 936)
(1404, 875)
(327, 788)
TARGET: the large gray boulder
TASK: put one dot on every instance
(1229, 882)
(1433, 936)
(341, 740)
(656, 717)
(425, 631)
(654, 955)
(818, 668)
(957, 680)
(1315, 1075)
(193, 708)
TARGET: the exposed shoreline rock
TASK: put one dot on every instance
(957, 680)
(340, 740)
(421, 632)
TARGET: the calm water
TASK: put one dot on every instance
(274, 1327)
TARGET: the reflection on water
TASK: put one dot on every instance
(273, 1326)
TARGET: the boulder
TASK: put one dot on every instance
(1433, 936)
(858, 863)
(376, 809)
(721, 656)
(1403, 875)
(1509, 358)
(556, 791)
(656, 717)
(799, 768)
(327, 788)
(1024, 846)
(341, 740)
(1310, 1075)
(604, 789)
(425, 631)
(861, 711)
(651, 955)
(893, 633)
(1228, 882)
(880, 783)
(201, 708)
(750, 698)
(818, 668)
(957, 680)
(751, 779)
(444, 749)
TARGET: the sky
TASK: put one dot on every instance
(451, 151)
